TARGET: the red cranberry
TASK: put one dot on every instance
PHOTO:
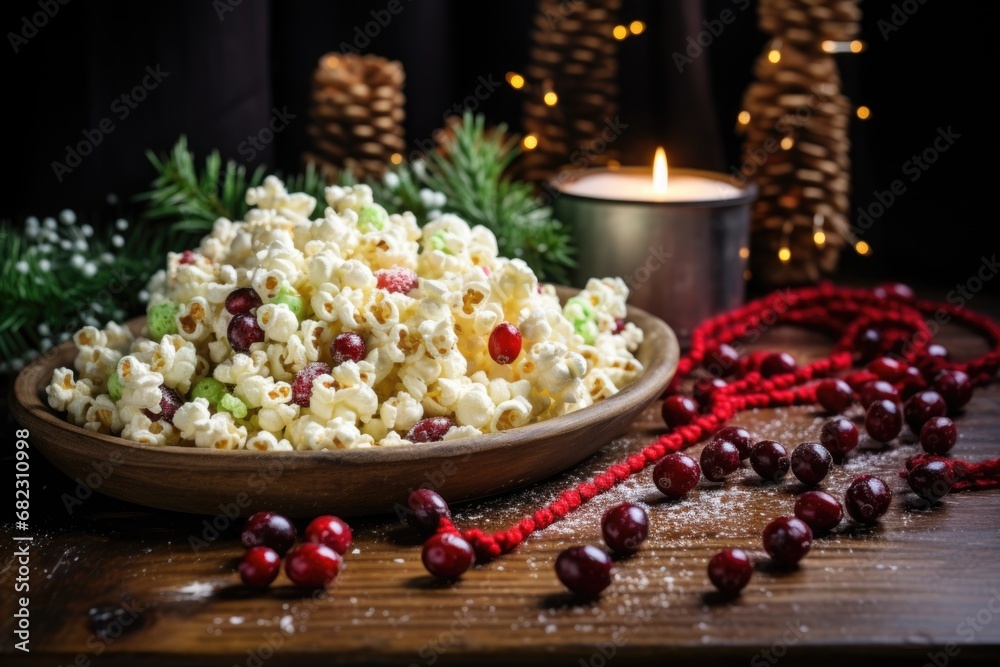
(877, 390)
(505, 343)
(430, 429)
(883, 420)
(242, 300)
(811, 462)
(912, 382)
(270, 530)
(624, 527)
(398, 279)
(259, 567)
(839, 435)
(331, 531)
(787, 540)
(888, 369)
(312, 565)
(188, 257)
(427, 508)
(676, 474)
(730, 570)
(302, 386)
(868, 344)
(704, 388)
(584, 570)
(898, 291)
(243, 332)
(777, 363)
(447, 555)
(770, 460)
(719, 458)
(931, 480)
(170, 401)
(679, 410)
(938, 351)
(954, 386)
(938, 435)
(834, 395)
(922, 407)
(721, 360)
(347, 346)
(619, 326)
(820, 510)
(867, 498)
(740, 437)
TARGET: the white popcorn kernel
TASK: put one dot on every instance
(459, 432)
(265, 441)
(192, 319)
(175, 359)
(474, 407)
(103, 417)
(277, 321)
(140, 386)
(510, 414)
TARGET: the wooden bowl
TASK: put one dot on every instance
(342, 482)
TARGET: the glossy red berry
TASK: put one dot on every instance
(619, 326)
(811, 462)
(730, 571)
(877, 390)
(430, 429)
(505, 343)
(834, 395)
(625, 526)
(888, 369)
(398, 279)
(840, 436)
(447, 555)
(347, 346)
(331, 531)
(922, 407)
(721, 360)
(242, 300)
(427, 508)
(170, 401)
(821, 511)
(719, 458)
(897, 291)
(676, 474)
(584, 570)
(954, 386)
(270, 530)
(938, 435)
(938, 351)
(302, 386)
(704, 387)
(869, 344)
(931, 480)
(678, 410)
(770, 460)
(777, 363)
(243, 332)
(884, 420)
(787, 540)
(259, 567)
(911, 383)
(867, 498)
(739, 436)
(312, 565)
(188, 257)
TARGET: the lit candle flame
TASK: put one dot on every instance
(660, 172)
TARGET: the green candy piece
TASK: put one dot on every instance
(114, 386)
(438, 242)
(587, 329)
(161, 319)
(577, 308)
(288, 296)
(372, 216)
(210, 389)
(233, 405)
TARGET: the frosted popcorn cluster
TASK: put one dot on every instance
(426, 349)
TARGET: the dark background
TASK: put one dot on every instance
(228, 70)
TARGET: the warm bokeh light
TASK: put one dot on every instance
(747, 275)
(620, 32)
(864, 112)
(550, 98)
(660, 172)
(614, 165)
(787, 143)
(774, 55)
(744, 252)
(784, 254)
(636, 27)
(515, 80)
(396, 158)
(331, 62)
(857, 46)
(744, 118)
(862, 248)
(819, 237)
(829, 45)
(530, 142)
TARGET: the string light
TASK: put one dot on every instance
(636, 27)
(864, 112)
(774, 55)
(550, 98)
(862, 248)
(784, 254)
(831, 46)
(530, 142)
(787, 143)
(396, 158)
(857, 46)
(820, 238)
(620, 32)
(515, 80)
(744, 118)
(744, 252)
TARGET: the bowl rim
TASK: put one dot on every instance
(30, 410)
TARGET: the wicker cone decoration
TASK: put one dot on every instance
(574, 56)
(796, 144)
(355, 115)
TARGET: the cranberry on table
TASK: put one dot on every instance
(938, 435)
(259, 567)
(243, 332)
(302, 385)
(867, 498)
(840, 436)
(770, 460)
(730, 571)
(312, 565)
(505, 343)
(430, 429)
(876, 390)
(811, 462)
(704, 388)
(719, 458)
(243, 300)
(331, 531)
(777, 363)
(739, 436)
(868, 344)
(834, 395)
(911, 383)
(954, 386)
(888, 369)
(624, 527)
(584, 570)
(270, 530)
(676, 474)
(931, 480)
(678, 410)
(787, 540)
(721, 360)
(884, 420)
(938, 351)
(427, 508)
(922, 407)
(447, 556)
(347, 346)
(819, 509)
(899, 291)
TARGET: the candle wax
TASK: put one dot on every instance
(618, 186)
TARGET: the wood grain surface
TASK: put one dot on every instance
(921, 587)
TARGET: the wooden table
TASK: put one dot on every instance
(919, 584)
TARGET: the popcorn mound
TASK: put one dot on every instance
(424, 301)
